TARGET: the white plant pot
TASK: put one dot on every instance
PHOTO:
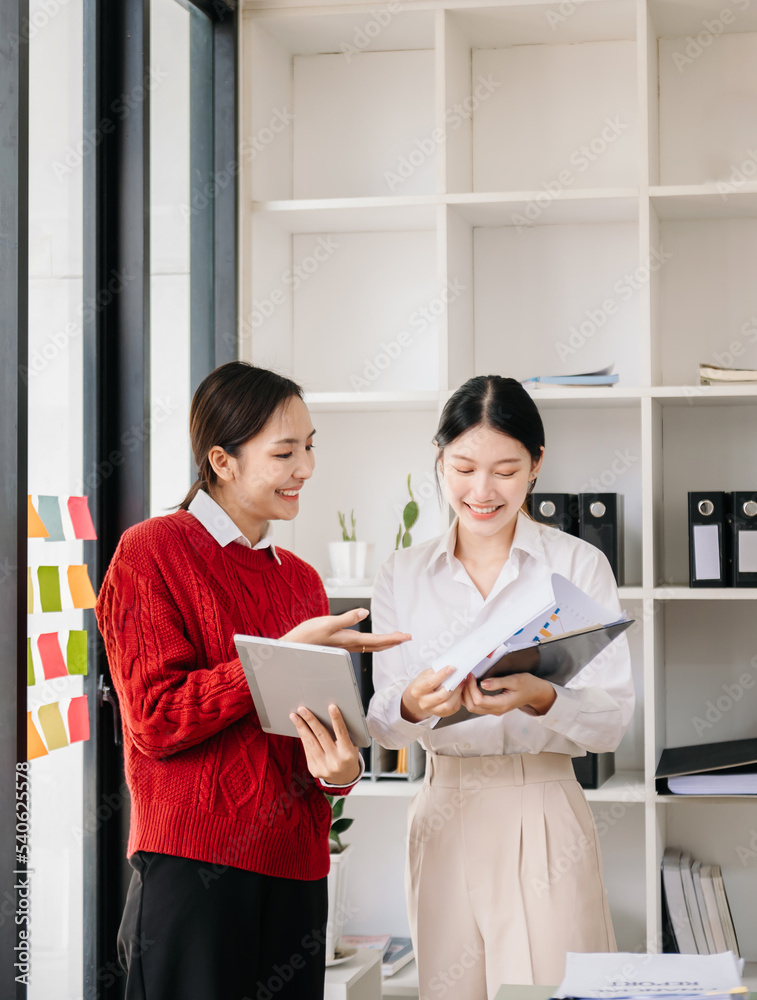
(348, 560)
(337, 884)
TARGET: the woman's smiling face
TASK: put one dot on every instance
(486, 475)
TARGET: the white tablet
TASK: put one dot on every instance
(284, 675)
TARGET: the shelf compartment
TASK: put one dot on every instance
(560, 206)
(345, 124)
(556, 300)
(707, 76)
(530, 71)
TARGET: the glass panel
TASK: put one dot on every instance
(181, 60)
(56, 151)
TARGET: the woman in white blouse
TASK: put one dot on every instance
(504, 870)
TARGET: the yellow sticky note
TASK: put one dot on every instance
(29, 592)
(35, 527)
(34, 745)
(52, 726)
(82, 593)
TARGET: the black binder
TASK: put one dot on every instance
(729, 756)
(708, 539)
(742, 522)
(560, 510)
(600, 522)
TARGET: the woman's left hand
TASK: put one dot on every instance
(531, 694)
(333, 760)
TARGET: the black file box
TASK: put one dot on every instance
(708, 539)
(600, 521)
(594, 769)
(560, 510)
(742, 523)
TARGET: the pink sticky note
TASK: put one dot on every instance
(78, 719)
(53, 664)
(78, 509)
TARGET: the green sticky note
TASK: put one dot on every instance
(76, 652)
(52, 726)
(49, 588)
(29, 592)
(29, 664)
(49, 511)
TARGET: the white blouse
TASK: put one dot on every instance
(426, 591)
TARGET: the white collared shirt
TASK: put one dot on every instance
(217, 523)
(426, 591)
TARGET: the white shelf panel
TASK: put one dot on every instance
(490, 27)
(699, 395)
(349, 215)
(705, 201)
(623, 786)
(332, 402)
(674, 19)
(684, 593)
(531, 208)
(359, 593)
(403, 983)
(557, 397)
(304, 33)
(387, 788)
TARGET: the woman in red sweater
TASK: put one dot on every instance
(229, 825)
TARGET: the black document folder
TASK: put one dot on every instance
(730, 757)
(742, 519)
(556, 660)
(708, 539)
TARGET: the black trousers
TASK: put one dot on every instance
(195, 931)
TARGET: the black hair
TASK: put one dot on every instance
(492, 401)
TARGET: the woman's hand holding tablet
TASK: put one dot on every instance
(335, 761)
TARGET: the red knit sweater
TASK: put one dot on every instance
(206, 782)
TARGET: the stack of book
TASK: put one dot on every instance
(396, 952)
(715, 375)
(697, 916)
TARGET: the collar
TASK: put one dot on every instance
(527, 538)
(217, 523)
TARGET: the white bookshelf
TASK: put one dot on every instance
(498, 251)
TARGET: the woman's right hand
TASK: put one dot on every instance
(334, 630)
(424, 696)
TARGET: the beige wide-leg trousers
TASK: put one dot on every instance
(503, 874)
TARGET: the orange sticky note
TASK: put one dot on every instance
(34, 745)
(36, 528)
(52, 726)
(82, 593)
(78, 719)
(53, 664)
(78, 509)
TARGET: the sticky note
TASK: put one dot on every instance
(76, 652)
(78, 719)
(52, 726)
(78, 509)
(82, 593)
(35, 525)
(29, 664)
(49, 588)
(29, 592)
(34, 745)
(49, 511)
(53, 664)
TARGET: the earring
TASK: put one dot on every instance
(531, 484)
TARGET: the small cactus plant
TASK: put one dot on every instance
(409, 517)
(346, 536)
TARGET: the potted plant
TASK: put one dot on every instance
(409, 517)
(337, 878)
(348, 556)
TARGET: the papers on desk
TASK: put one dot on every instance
(618, 976)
